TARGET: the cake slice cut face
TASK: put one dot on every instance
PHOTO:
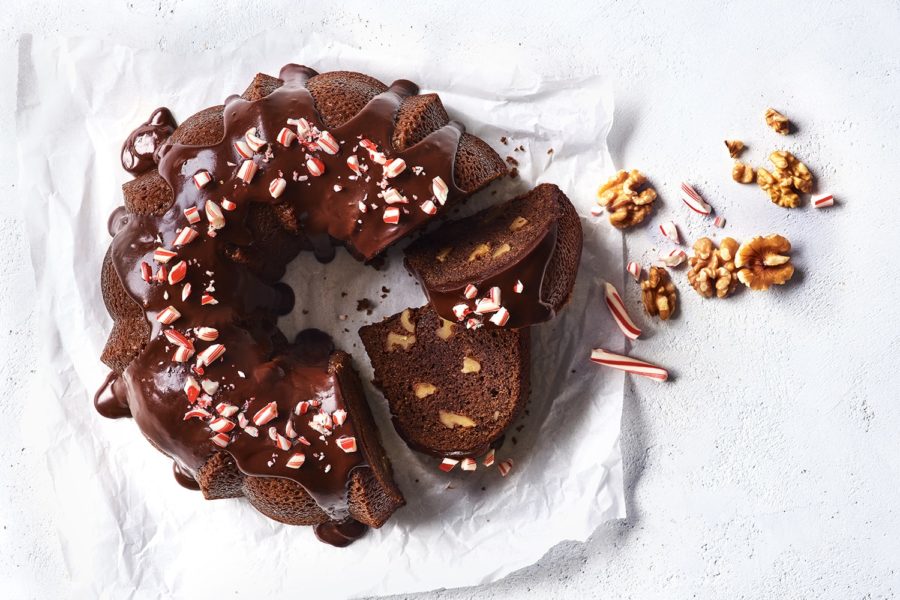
(452, 391)
(215, 213)
(511, 265)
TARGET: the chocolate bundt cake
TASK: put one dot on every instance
(452, 391)
(218, 207)
(511, 265)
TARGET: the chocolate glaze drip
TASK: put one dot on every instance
(139, 152)
(525, 308)
(340, 533)
(336, 208)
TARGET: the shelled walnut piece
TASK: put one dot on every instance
(735, 147)
(777, 121)
(764, 261)
(788, 179)
(713, 271)
(627, 197)
(742, 173)
(658, 293)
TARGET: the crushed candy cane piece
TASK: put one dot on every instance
(202, 179)
(693, 200)
(247, 170)
(468, 464)
(295, 461)
(265, 414)
(440, 190)
(447, 464)
(673, 258)
(346, 443)
(823, 200)
(669, 230)
(505, 467)
(168, 315)
(635, 270)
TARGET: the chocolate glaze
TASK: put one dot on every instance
(139, 152)
(183, 477)
(254, 369)
(525, 308)
(340, 533)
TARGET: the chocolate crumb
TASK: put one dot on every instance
(343, 294)
(305, 312)
(513, 173)
(550, 151)
(519, 149)
(514, 440)
(365, 305)
(504, 140)
(512, 161)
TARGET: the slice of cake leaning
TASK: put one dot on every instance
(511, 265)
(452, 391)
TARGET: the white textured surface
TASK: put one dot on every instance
(768, 467)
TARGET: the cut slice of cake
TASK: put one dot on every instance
(510, 265)
(452, 391)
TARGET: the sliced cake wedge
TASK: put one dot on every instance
(452, 391)
(511, 265)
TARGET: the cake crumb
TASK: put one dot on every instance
(512, 161)
(366, 305)
(549, 150)
(514, 173)
(504, 140)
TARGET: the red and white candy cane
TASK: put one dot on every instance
(620, 315)
(628, 364)
(669, 230)
(693, 200)
(635, 270)
(823, 200)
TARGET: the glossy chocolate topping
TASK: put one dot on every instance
(212, 376)
(520, 284)
(139, 149)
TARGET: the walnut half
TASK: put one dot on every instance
(658, 293)
(787, 180)
(764, 261)
(713, 271)
(627, 197)
(777, 121)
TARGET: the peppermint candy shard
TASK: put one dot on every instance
(182, 354)
(211, 354)
(277, 187)
(519, 287)
(202, 179)
(428, 207)
(176, 337)
(635, 270)
(670, 231)
(470, 292)
(501, 317)
(468, 464)
(161, 255)
(185, 236)
(346, 443)
(673, 258)
(353, 163)
(315, 166)
(243, 149)
(505, 467)
(220, 439)
(168, 315)
(440, 190)
(253, 140)
(719, 221)
(394, 167)
(246, 171)
(178, 272)
(620, 315)
(447, 464)
(628, 364)
(191, 389)
(823, 200)
(192, 214)
(196, 413)
(391, 215)
(207, 334)
(489, 458)
(214, 215)
(693, 200)
(327, 143)
(265, 414)
(295, 461)
(285, 137)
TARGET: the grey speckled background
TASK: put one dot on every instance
(769, 466)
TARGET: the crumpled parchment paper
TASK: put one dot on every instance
(125, 527)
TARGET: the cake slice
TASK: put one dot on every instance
(511, 265)
(452, 391)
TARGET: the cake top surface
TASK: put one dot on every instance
(213, 375)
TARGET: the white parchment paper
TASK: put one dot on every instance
(125, 527)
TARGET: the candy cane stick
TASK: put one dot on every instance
(628, 364)
(617, 308)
